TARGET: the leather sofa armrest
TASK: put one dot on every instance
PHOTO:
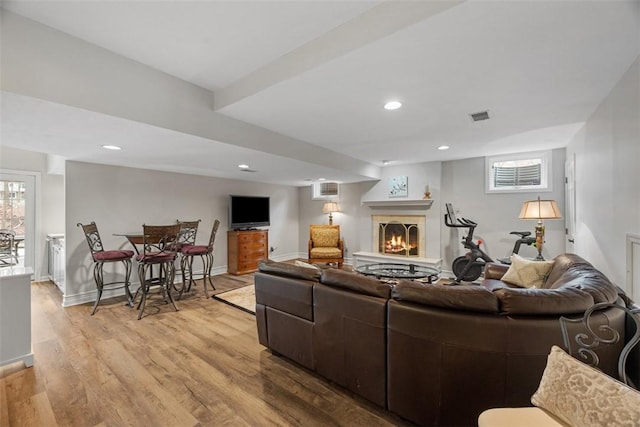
(495, 271)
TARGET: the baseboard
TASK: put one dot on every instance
(90, 296)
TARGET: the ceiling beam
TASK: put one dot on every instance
(377, 23)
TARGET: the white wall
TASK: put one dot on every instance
(355, 218)
(463, 185)
(607, 157)
(49, 200)
(121, 199)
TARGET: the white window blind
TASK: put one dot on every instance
(518, 172)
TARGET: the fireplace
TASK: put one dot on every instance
(399, 235)
(396, 238)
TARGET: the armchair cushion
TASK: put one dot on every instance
(581, 395)
(325, 237)
(325, 253)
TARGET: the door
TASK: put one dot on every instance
(570, 202)
(17, 212)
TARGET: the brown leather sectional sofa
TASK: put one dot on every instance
(435, 355)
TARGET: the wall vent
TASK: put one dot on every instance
(482, 115)
(325, 190)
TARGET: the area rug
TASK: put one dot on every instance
(243, 298)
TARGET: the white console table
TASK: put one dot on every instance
(361, 258)
(15, 315)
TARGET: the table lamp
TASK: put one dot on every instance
(329, 208)
(540, 209)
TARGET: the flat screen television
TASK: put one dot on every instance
(248, 212)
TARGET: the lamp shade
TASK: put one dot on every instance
(540, 209)
(330, 207)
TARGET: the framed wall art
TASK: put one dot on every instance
(398, 186)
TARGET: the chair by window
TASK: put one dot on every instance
(8, 251)
(159, 243)
(325, 244)
(205, 252)
(100, 257)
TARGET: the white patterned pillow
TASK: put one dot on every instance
(305, 264)
(584, 396)
(527, 274)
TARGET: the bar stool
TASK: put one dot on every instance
(206, 255)
(100, 257)
(159, 243)
(188, 231)
(186, 237)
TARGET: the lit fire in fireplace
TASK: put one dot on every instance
(395, 245)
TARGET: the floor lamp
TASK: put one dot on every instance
(330, 208)
(540, 209)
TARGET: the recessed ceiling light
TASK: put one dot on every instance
(322, 179)
(111, 147)
(243, 166)
(392, 105)
(443, 147)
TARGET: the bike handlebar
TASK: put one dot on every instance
(463, 222)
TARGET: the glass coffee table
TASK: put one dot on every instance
(395, 271)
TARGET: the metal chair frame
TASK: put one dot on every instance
(159, 247)
(186, 260)
(584, 344)
(7, 247)
(188, 232)
(95, 247)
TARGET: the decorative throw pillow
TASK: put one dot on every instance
(305, 265)
(584, 396)
(527, 274)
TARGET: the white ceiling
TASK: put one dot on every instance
(320, 71)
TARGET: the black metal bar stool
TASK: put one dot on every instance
(100, 257)
(205, 252)
(159, 248)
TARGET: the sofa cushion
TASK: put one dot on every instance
(458, 297)
(566, 300)
(584, 396)
(589, 280)
(526, 273)
(355, 282)
(288, 270)
(562, 263)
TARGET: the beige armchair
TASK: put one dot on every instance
(325, 244)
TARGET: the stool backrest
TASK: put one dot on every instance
(214, 231)
(93, 237)
(160, 238)
(188, 231)
(586, 344)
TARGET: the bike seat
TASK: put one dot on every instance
(522, 234)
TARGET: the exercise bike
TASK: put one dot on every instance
(470, 266)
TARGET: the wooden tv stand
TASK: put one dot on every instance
(245, 249)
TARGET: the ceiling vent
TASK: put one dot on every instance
(482, 115)
(248, 170)
(325, 190)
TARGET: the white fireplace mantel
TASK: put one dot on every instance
(418, 204)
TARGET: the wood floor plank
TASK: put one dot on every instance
(201, 366)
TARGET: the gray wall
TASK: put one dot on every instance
(121, 199)
(463, 185)
(460, 182)
(607, 158)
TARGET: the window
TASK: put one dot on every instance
(518, 172)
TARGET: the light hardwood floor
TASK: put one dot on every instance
(199, 366)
